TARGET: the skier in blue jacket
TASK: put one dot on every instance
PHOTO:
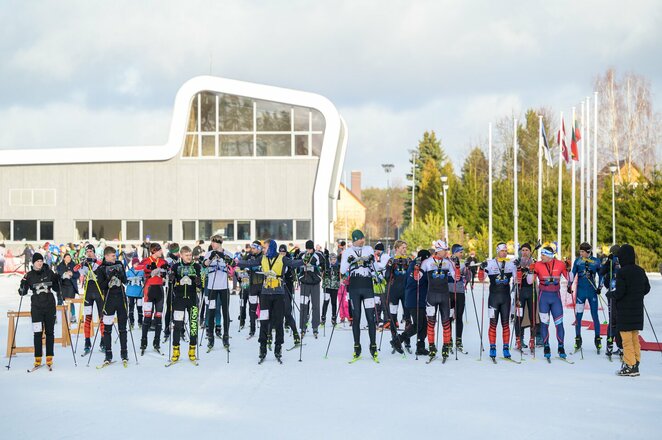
(585, 269)
(134, 292)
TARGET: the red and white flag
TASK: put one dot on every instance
(561, 141)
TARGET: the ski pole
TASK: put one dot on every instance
(171, 329)
(482, 321)
(80, 314)
(473, 300)
(652, 328)
(96, 333)
(130, 332)
(13, 342)
(326, 355)
(65, 312)
(226, 308)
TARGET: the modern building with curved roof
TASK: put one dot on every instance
(244, 160)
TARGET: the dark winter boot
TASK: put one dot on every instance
(493, 351)
(627, 370)
(420, 349)
(578, 343)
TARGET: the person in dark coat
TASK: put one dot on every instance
(416, 289)
(631, 286)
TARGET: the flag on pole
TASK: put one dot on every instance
(561, 141)
(545, 144)
(576, 137)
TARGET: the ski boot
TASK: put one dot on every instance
(217, 332)
(374, 353)
(598, 343)
(157, 346)
(49, 361)
(140, 324)
(263, 352)
(175, 353)
(445, 350)
(532, 345)
(88, 347)
(420, 349)
(458, 345)
(397, 345)
(506, 351)
(334, 321)
(226, 342)
(131, 326)
(191, 353)
(210, 344)
(143, 346)
(610, 346)
(357, 352)
(547, 351)
(278, 352)
(578, 343)
(493, 351)
(323, 322)
(297, 338)
(37, 361)
(433, 351)
(518, 343)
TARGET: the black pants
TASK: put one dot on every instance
(330, 295)
(253, 300)
(395, 297)
(525, 302)
(417, 328)
(168, 309)
(288, 300)
(115, 304)
(612, 329)
(367, 298)
(43, 319)
(218, 298)
(272, 309)
(180, 306)
(136, 303)
(152, 309)
(243, 302)
(458, 301)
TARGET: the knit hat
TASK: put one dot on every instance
(456, 248)
(357, 235)
(439, 245)
(134, 261)
(36, 257)
(310, 244)
(525, 245)
(89, 247)
(282, 248)
(379, 246)
(585, 247)
(423, 254)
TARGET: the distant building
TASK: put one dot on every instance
(627, 173)
(351, 212)
(243, 160)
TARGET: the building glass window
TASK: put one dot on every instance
(236, 145)
(274, 145)
(25, 230)
(301, 144)
(223, 125)
(207, 112)
(188, 230)
(5, 231)
(272, 116)
(208, 146)
(108, 229)
(304, 231)
(224, 228)
(82, 231)
(235, 113)
(191, 146)
(243, 230)
(274, 229)
(132, 230)
(158, 230)
(46, 230)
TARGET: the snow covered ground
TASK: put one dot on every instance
(328, 398)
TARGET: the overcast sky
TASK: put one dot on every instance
(87, 73)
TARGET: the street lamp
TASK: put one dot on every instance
(388, 167)
(444, 179)
(612, 170)
(413, 153)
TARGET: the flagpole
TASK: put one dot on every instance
(573, 203)
(587, 148)
(539, 179)
(515, 211)
(595, 170)
(560, 191)
(489, 173)
(581, 179)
